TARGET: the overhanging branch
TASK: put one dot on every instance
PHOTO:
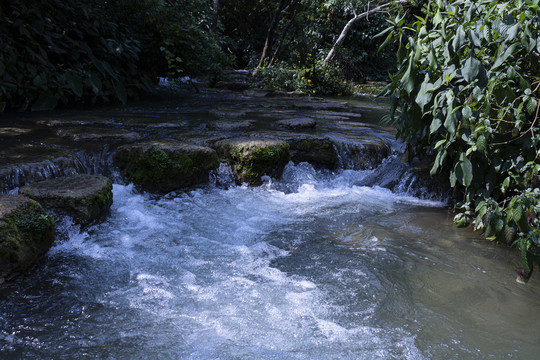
(351, 22)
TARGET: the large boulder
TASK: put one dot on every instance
(164, 166)
(26, 232)
(250, 159)
(85, 198)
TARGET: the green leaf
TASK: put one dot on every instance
(424, 94)
(481, 143)
(501, 59)
(470, 69)
(435, 125)
(439, 143)
(531, 106)
(451, 122)
(459, 38)
(463, 170)
(466, 112)
(45, 101)
(453, 178)
(95, 82)
(497, 224)
(516, 213)
(408, 78)
(75, 84)
(120, 91)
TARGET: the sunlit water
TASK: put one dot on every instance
(308, 267)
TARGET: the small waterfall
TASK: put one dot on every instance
(19, 175)
(78, 162)
(97, 163)
(222, 177)
(360, 156)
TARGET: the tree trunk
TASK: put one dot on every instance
(351, 22)
(287, 28)
(215, 13)
(270, 35)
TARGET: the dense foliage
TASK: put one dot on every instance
(302, 37)
(58, 52)
(467, 93)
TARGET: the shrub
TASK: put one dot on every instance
(467, 92)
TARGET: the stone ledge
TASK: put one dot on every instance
(86, 198)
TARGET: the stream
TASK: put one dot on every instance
(314, 265)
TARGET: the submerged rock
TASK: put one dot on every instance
(230, 125)
(164, 166)
(83, 197)
(26, 232)
(250, 159)
(83, 134)
(297, 123)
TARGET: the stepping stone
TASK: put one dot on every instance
(85, 198)
(164, 166)
(250, 159)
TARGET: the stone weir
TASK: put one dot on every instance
(174, 141)
(64, 163)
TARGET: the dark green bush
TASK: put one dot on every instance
(56, 52)
(324, 80)
(467, 92)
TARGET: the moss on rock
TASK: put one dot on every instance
(26, 232)
(250, 159)
(83, 197)
(319, 152)
(166, 166)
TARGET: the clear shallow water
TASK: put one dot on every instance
(308, 267)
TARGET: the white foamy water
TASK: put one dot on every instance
(308, 267)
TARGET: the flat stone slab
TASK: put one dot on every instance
(228, 113)
(98, 134)
(322, 106)
(297, 123)
(86, 198)
(164, 166)
(26, 232)
(230, 125)
(251, 158)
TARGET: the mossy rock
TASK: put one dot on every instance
(319, 152)
(164, 166)
(250, 159)
(85, 198)
(26, 232)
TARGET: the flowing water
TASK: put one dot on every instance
(310, 266)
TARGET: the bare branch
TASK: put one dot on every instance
(351, 22)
